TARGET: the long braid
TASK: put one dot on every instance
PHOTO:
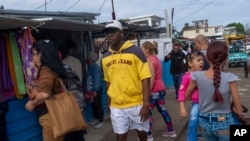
(217, 95)
(217, 54)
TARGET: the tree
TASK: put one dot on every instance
(239, 27)
(186, 26)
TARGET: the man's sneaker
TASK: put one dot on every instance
(93, 122)
(99, 125)
(169, 134)
(150, 138)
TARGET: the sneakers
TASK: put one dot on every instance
(99, 125)
(150, 138)
(169, 134)
(200, 136)
(93, 122)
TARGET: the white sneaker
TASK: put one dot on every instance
(99, 125)
(93, 122)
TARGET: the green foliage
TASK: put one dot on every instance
(239, 27)
(186, 26)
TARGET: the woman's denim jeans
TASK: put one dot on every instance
(215, 127)
(193, 123)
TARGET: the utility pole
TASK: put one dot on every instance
(167, 23)
(113, 10)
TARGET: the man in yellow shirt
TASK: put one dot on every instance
(127, 74)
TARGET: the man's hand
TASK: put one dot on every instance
(144, 113)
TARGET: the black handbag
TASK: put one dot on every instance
(241, 118)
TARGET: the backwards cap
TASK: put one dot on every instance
(114, 24)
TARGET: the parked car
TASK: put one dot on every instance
(237, 52)
(248, 51)
(248, 45)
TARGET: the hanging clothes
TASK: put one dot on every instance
(11, 67)
(8, 85)
(17, 65)
(30, 72)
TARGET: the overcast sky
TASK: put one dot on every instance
(217, 12)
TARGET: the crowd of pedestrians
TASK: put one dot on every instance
(134, 86)
(210, 100)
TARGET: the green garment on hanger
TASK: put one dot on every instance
(17, 65)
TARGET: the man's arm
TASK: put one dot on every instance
(167, 57)
(108, 98)
(146, 96)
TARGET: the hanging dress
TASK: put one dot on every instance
(21, 87)
(29, 69)
(5, 76)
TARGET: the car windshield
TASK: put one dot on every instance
(236, 49)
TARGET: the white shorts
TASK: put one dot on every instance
(127, 119)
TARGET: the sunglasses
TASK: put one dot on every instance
(111, 32)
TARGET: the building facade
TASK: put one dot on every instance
(201, 27)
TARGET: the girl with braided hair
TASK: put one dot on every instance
(215, 88)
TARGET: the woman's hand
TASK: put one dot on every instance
(33, 93)
(33, 89)
(29, 106)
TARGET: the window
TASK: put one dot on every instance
(217, 30)
(206, 30)
(197, 31)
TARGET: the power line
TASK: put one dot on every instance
(186, 6)
(101, 6)
(73, 5)
(101, 9)
(46, 3)
(195, 11)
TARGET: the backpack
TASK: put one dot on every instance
(73, 83)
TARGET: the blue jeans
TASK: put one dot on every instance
(177, 82)
(193, 123)
(214, 129)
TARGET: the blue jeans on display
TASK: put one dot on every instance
(214, 129)
(177, 82)
(193, 123)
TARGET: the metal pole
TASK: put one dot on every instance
(113, 10)
(167, 23)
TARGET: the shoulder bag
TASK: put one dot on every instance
(65, 112)
(240, 118)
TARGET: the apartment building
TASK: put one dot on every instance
(201, 27)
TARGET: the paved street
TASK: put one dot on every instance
(106, 134)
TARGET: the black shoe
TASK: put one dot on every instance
(85, 132)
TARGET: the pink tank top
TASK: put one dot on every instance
(158, 84)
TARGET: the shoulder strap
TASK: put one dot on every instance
(62, 85)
